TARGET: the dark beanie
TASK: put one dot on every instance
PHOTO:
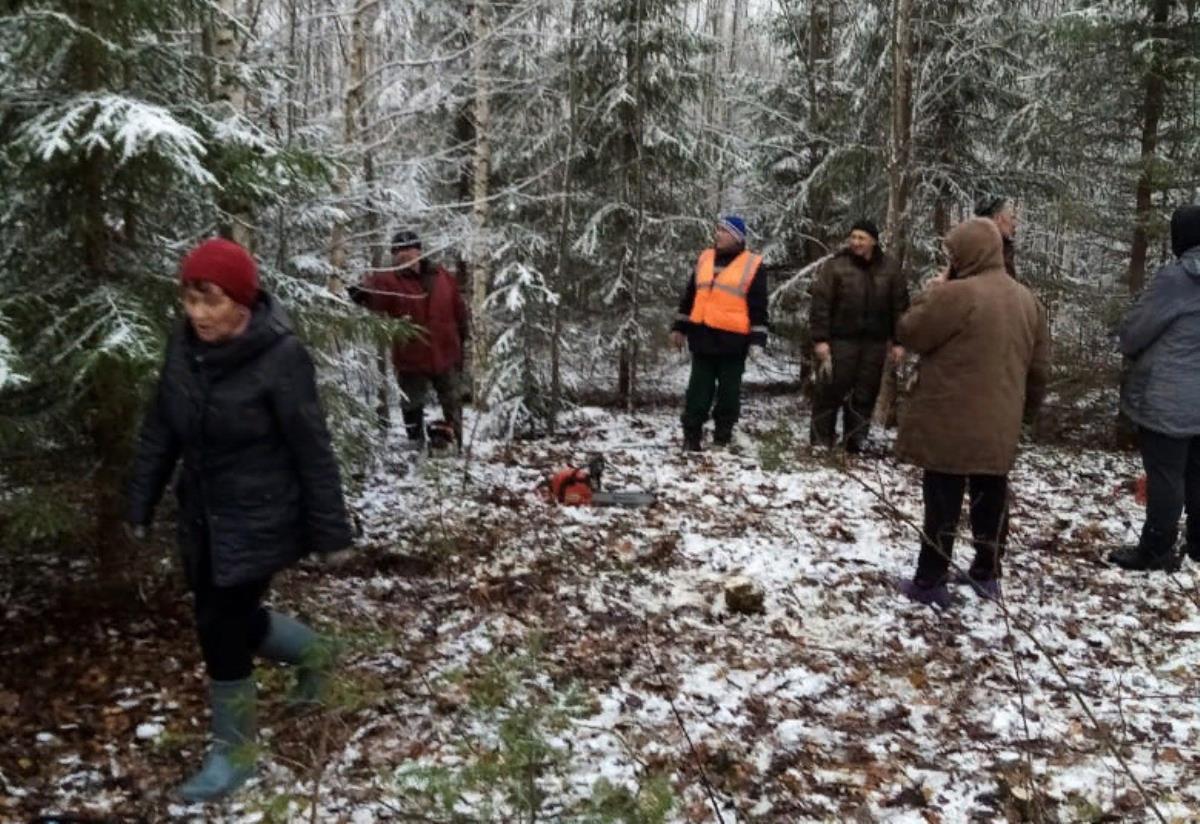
(223, 263)
(1185, 229)
(405, 239)
(990, 206)
(867, 226)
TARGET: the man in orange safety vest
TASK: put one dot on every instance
(723, 312)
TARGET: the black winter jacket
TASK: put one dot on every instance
(854, 299)
(704, 340)
(259, 486)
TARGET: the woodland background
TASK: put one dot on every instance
(510, 660)
(565, 158)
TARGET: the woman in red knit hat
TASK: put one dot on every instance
(259, 488)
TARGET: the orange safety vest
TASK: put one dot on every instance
(721, 298)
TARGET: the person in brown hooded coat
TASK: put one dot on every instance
(985, 349)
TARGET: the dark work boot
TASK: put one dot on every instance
(1193, 542)
(414, 426)
(723, 436)
(691, 439)
(1155, 550)
(822, 433)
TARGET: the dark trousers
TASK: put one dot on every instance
(857, 373)
(716, 377)
(448, 387)
(1172, 485)
(231, 623)
(943, 507)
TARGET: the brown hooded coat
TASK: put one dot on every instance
(985, 351)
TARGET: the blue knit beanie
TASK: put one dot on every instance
(734, 225)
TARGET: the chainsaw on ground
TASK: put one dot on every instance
(1135, 487)
(581, 486)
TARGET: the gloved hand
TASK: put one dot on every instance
(137, 532)
(823, 373)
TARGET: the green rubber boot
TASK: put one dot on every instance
(290, 642)
(230, 759)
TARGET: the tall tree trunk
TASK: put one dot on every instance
(1152, 109)
(816, 54)
(92, 225)
(899, 162)
(353, 120)
(723, 173)
(356, 127)
(291, 68)
(635, 281)
(629, 271)
(110, 403)
(564, 229)
(900, 141)
(481, 210)
(947, 127)
(229, 90)
(715, 17)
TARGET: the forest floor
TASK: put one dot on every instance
(509, 660)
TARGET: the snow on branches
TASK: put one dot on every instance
(124, 127)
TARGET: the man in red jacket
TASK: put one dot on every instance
(427, 296)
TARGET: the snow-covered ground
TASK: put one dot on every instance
(504, 653)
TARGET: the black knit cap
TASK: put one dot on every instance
(1185, 229)
(990, 206)
(405, 239)
(868, 226)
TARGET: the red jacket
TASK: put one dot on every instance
(432, 301)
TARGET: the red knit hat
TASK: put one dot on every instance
(225, 264)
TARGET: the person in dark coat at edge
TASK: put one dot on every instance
(722, 313)
(984, 349)
(258, 490)
(1161, 396)
(857, 297)
(1003, 212)
(426, 295)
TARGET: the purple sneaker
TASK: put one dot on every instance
(936, 595)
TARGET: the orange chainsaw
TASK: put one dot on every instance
(1137, 487)
(581, 486)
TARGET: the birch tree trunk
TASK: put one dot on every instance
(481, 163)
(353, 122)
(228, 88)
(723, 174)
(291, 118)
